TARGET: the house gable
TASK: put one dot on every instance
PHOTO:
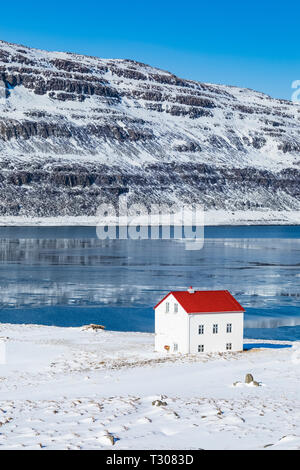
(171, 299)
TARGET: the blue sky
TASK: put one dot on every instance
(250, 44)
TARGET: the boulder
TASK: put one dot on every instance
(94, 327)
(159, 403)
(249, 378)
(109, 438)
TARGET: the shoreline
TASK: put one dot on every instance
(210, 219)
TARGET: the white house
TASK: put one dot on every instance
(199, 321)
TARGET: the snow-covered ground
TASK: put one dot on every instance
(70, 388)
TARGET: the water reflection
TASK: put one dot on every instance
(69, 281)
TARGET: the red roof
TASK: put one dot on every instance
(206, 301)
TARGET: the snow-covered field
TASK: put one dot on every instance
(70, 388)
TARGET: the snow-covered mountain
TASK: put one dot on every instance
(77, 130)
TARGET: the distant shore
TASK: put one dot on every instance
(211, 218)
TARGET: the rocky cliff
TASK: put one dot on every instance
(78, 130)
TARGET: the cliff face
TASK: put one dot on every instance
(78, 130)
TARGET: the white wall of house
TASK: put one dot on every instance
(171, 328)
(180, 330)
(216, 342)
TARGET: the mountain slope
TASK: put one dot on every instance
(76, 131)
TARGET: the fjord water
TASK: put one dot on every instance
(66, 276)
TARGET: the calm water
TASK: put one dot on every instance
(66, 276)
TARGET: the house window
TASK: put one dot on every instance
(200, 347)
(229, 328)
(215, 328)
(175, 308)
(228, 346)
(167, 307)
(175, 347)
(201, 330)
